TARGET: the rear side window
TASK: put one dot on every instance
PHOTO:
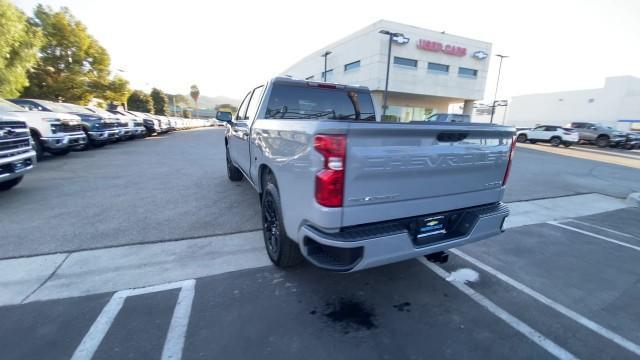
(313, 102)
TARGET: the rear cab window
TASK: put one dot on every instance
(319, 101)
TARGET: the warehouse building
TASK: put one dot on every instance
(430, 71)
(617, 104)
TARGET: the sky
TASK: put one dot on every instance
(229, 46)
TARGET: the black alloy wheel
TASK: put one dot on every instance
(271, 226)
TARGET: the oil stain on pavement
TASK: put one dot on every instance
(349, 315)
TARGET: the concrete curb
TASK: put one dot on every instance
(634, 199)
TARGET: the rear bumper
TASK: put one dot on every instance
(27, 161)
(64, 141)
(391, 242)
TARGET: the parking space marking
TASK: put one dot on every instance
(595, 235)
(590, 324)
(511, 320)
(174, 341)
(99, 329)
(602, 228)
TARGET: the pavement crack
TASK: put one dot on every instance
(46, 280)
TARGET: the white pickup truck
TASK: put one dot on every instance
(16, 154)
(52, 132)
(348, 192)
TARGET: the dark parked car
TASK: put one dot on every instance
(633, 140)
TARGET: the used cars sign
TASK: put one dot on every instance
(439, 47)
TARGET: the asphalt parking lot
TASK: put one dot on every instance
(575, 296)
(174, 187)
(566, 289)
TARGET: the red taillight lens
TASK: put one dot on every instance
(330, 180)
(511, 150)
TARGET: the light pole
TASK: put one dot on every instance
(386, 82)
(493, 107)
(324, 74)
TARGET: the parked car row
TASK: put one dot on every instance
(581, 132)
(29, 128)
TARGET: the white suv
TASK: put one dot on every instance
(555, 135)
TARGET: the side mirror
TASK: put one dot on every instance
(224, 116)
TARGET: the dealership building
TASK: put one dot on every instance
(617, 104)
(430, 71)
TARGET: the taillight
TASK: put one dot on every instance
(511, 150)
(330, 180)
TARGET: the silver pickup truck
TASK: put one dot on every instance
(348, 192)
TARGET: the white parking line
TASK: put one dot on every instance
(603, 228)
(174, 341)
(595, 235)
(511, 320)
(625, 343)
(99, 329)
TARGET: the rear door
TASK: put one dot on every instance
(238, 130)
(243, 156)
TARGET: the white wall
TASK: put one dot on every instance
(618, 99)
(370, 47)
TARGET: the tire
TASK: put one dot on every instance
(555, 141)
(6, 185)
(521, 138)
(62, 152)
(87, 145)
(283, 252)
(602, 141)
(233, 173)
(38, 147)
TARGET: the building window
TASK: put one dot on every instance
(329, 75)
(406, 114)
(405, 62)
(468, 73)
(309, 77)
(351, 66)
(438, 68)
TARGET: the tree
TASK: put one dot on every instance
(160, 102)
(178, 100)
(195, 94)
(72, 65)
(116, 90)
(19, 44)
(140, 101)
(226, 107)
(186, 113)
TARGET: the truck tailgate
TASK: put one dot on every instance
(396, 170)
